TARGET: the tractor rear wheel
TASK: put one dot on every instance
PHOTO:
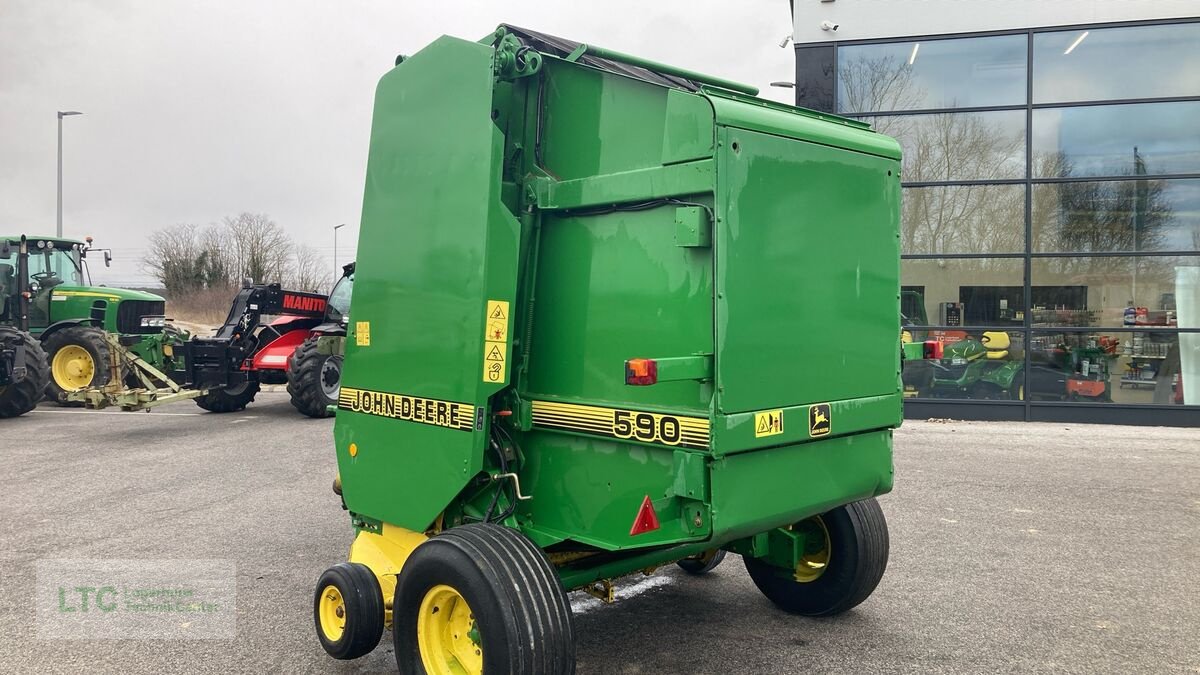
(229, 399)
(702, 563)
(22, 396)
(481, 598)
(348, 610)
(841, 574)
(79, 359)
(314, 379)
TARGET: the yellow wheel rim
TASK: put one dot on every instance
(332, 613)
(447, 635)
(815, 560)
(73, 368)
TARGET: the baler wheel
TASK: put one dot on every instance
(838, 577)
(702, 563)
(481, 598)
(348, 610)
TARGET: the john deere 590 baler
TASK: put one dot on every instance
(591, 336)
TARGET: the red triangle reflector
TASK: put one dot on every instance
(647, 519)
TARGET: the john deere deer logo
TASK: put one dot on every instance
(819, 420)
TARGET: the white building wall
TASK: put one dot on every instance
(865, 19)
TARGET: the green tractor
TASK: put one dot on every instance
(23, 372)
(45, 288)
(314, 370)
(585, 283)
(984, 367)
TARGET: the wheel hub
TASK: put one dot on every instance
(332, 613)
(72, 368)
(447, 634)
(331, 378)
(815, 560)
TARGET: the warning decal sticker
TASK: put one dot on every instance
(362, 333)
(431, 411)
(768, 423)
(820, 420)
(495, 345)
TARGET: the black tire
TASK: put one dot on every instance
(312, 379)
(360, 601)
(231, 399)
(858, 555)
(703, 563)
(91, 340)
(519, 609)
(18, 398)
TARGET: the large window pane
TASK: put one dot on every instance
(932, 74)
(964, 219)
(1155, 292)
(1117, 140)
(958, 146)
(1133, 215)
(966, 292)
(1140, 367)
(1116, 63)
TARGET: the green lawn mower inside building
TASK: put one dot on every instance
(581, 349)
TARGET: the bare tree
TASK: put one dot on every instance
(260, 248)
(307, 270)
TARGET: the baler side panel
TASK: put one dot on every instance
(807, 274)
(435, 246)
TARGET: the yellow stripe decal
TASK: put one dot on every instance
(85, 294)
(431, 411)
(638, 425)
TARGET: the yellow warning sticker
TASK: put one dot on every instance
(362, 333)
(493, 361)
(820, 420)
(768, 423)
(495, 345)
(497, 321)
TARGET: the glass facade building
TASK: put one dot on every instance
(1051, 214)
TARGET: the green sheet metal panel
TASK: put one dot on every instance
(808, 269)
(435, 246)
(612, 287)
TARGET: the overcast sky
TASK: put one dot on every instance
(197, 110)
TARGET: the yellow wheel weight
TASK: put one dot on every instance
(447, 635)
(332, 613)
(813, 563)
(72, 368)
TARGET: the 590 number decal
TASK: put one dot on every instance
(647, 427)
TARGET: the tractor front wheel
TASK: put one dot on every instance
(837, 576)
(79, 359)
(18, 398)
(348, 610)
(229, 399)
(314, 379)
(481, 598)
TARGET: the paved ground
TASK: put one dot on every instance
(1015, 548)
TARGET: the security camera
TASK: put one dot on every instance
(786, 39)
(828, 25)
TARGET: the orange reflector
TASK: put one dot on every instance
(353, 449)
(641, 371)
(647, 519)
(933, 349)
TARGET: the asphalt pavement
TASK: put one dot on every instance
(1015, 548)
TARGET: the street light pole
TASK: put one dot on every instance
(335, 256)
(61, 115)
